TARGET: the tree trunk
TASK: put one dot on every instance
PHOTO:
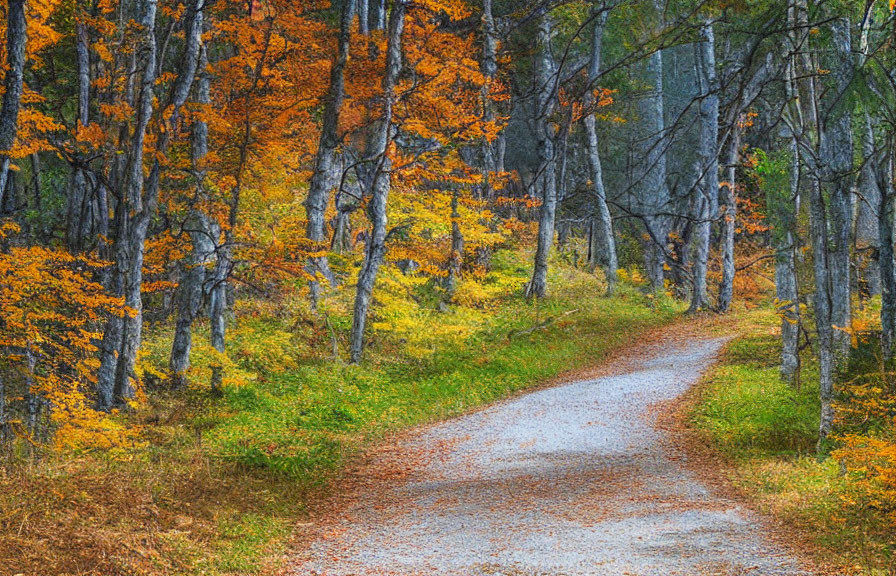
(381, 184)
(823, 308)
(326, 166)
(708, 182)
(457, 247)
(218, 308)
(886, 259)
(134, 212)
(16, 36)
(866, 238)
(489, 67)
(363, 15)
(202, 239)
(829, 161)
(81, 209)
(654, 192)
(545, 102)
(37, 201)
(381, 15)
(140, 199)
(342, 231)
(785, 243)
(189, 298)
(602, 222)
(837, 155)
(729, 222)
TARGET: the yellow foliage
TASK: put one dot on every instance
(632, 276)
(52, 310)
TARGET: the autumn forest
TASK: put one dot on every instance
(249, 249)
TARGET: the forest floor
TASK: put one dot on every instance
(584, 477)
(216, 485)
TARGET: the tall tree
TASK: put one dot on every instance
(489, 67)
(326, 165)
(885, 215)
(381, 182)
(867, 200)
(653, 190)
(122, 336)
(708, 181)
(544, 104)
(81, 205)
(194, 284)
(139, 201)
(602, 221)
(835, 156)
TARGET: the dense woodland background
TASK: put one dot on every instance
(207, 206)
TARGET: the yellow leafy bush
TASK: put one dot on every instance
(51, 314)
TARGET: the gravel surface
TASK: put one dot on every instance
(571, 480)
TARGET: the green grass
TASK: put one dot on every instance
(768, 431)
(750, 411)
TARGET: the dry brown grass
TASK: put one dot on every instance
(146, 513)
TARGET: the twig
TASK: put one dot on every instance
(538, 326)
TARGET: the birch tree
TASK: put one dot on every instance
(544, 104)
(885, 214)
(653, 190)
(602, 223)
(708, 182)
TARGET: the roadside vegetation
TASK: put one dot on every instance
(837, 501)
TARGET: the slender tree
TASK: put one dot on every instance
(381, 182)
(708, 182)
(653, 190)
(326, 165)
(885, 215)
(545, 98)
(602, 221)
(203, 233)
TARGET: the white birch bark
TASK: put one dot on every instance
(602, 223)
(708, 182)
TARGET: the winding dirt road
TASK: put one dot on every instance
(576, 479)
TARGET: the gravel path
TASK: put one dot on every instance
(571, 480)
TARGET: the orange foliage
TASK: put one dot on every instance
(50, 311)
(866, 416)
